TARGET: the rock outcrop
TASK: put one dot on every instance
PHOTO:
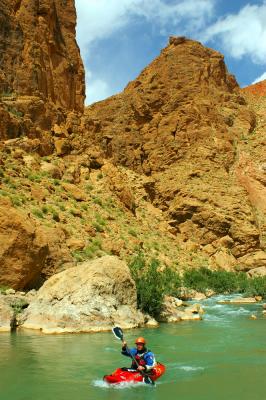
(179, 123)
(175, 310)
(28, 253)
(38, 52)
(257, 89)
(91, 297)
(6, 315)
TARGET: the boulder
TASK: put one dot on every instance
(260, 271)
(224, 260)
(174, 310)
(252, 261)
(6, 315)
(91, 297)
(191, 294)
(75, 191)
(241, 300)
(51, 170)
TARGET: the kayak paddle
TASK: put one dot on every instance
(117, 331)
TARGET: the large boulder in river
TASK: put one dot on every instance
(91, 297)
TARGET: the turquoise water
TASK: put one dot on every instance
(221, 357)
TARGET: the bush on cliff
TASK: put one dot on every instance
(152, 283)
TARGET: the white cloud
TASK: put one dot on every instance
(260, 78)
(96, 89)
(242, 34)
(98, 19)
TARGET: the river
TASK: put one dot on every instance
(221, 357)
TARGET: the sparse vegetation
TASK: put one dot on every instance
(37, 212)
(3, 289)
(16, 200)
(15, 112)
(132, 232)
(18, 305)
(97, 200)
(89, 252)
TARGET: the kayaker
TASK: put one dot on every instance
(145, 358)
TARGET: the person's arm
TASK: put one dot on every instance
(125, 350)
(150, 361)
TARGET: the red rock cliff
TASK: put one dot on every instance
(38, 52)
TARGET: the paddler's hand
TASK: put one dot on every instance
(124, 344)
(141, 368)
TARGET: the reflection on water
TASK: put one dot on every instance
(223, 356)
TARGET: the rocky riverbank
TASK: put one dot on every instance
(91, 297)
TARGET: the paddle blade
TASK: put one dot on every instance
(118, 332)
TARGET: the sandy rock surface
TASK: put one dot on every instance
(241, 300)
(92, 297)
(175, 310)
(28, 250)
(6, 314)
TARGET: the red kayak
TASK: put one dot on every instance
(128, 375)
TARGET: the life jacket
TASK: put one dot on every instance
(139, 357)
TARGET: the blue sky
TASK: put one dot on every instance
(118, 38)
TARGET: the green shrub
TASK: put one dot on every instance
(132, 232)
(55, 216)
(152, 284)
(3, 288)
(256, 286)
(224, 282)
(97, 200)
(88, 187)
(97, 227)
(4, 193)
(45, 209)
(88, 252)
(18, 305)
(12, 185)
(16, 201)
(15, 112)
(38, 213)
(2, 173)
(35, 178)
(197, 279)
(61, 206)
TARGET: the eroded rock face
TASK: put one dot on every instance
(38, 52)
(179, 123)
(23, 250)
(28, 253)
(91, 297)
